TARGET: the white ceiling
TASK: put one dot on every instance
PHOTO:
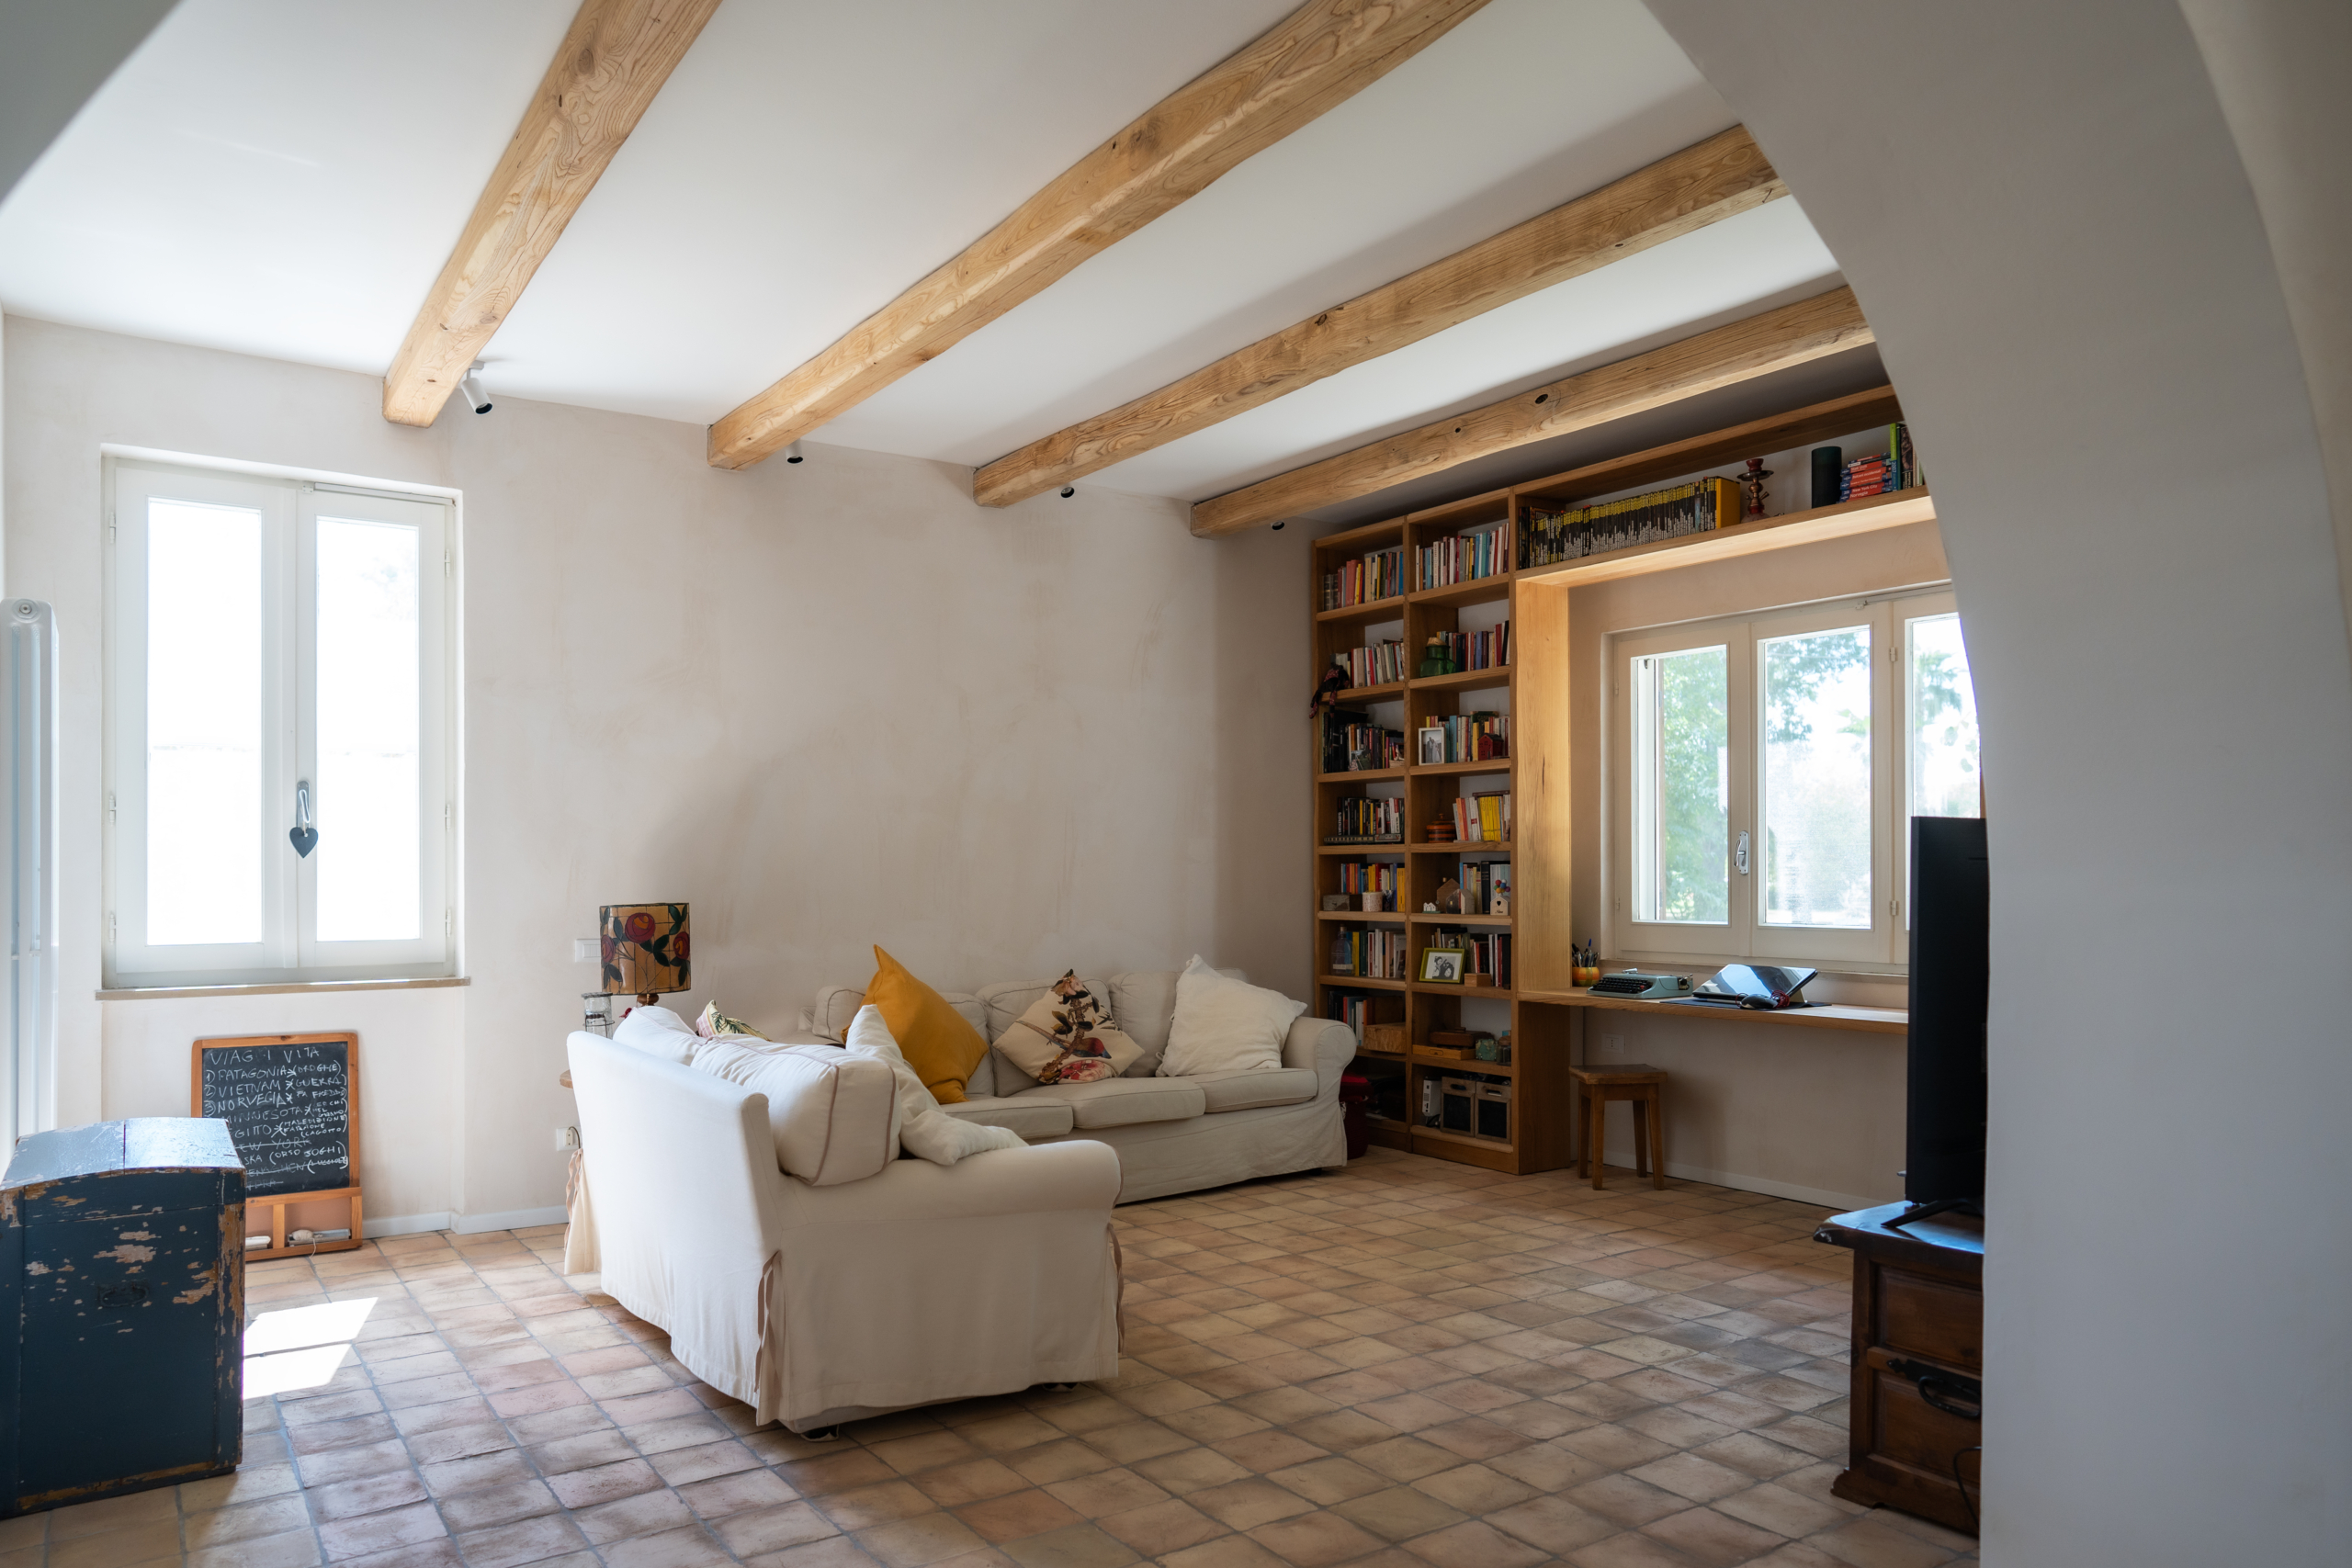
(284, 178)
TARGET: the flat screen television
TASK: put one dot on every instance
(1951, 908)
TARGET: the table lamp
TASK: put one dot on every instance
(645, 950)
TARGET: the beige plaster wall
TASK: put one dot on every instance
(829, 704)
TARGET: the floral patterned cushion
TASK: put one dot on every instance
(1068, 1036)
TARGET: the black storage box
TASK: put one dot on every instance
(122, 1274)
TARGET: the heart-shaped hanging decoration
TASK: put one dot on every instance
(305, 839)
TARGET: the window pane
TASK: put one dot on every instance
(368, 728)
(1942, 720)
(1817, 778)
(204, 723)
(1681, 788)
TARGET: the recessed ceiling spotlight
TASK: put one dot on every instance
(470, 388)
(1278, 527)
(1068, 490)
(793, 454)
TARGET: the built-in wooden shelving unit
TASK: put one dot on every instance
(1532, 689)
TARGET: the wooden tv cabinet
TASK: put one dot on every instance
(1918, 1363)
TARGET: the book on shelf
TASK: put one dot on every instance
(1370, 953)
(1375, 664)
(1551, 534)
(1369, 819)
(1485, 886)
(1451, 652)
(1378, 879)
(1353, 744)
(1360, 1011)
(1484, 954)
(1463, 738)
(1882, 473)
(1462, 558)
(1483, 817)
(1378, 575)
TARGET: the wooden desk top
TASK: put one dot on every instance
(1953, 1240)
(1868, 1021)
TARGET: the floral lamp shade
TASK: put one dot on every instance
(646, 950)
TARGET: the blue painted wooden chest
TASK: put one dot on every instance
(122, 1281)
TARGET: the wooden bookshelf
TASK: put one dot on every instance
(1532, 690)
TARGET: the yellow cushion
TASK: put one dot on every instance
(939, 1045)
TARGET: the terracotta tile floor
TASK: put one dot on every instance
(1413, 1364)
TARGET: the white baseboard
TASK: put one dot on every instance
(405, 1225)
(1844, 1203)
(509, 1220)
(464, 1224)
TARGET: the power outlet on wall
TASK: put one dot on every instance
(1613, 1044)
(567, 1139)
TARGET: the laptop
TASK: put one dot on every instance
(1760, 985)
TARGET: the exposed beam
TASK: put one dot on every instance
(615, 58)
(1698, 186)
(1739, 351)
(1316, 59)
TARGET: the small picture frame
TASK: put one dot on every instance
(1432, 747)
(1442, 965)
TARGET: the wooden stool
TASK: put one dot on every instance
(1644, 1087)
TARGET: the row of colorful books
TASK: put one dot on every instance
(1472, 650)
(1462, 558)
(1480, 817)
(1483, 952)
(1549, 535)
(1380, 575)
(1356, 1009)
(1485, 883)
(1375, 664)
(1370, 953)
(1464, 738)
(1370, 819)
(1369, 747)
(1353, 743)
(1881, 473)
(1358, 877)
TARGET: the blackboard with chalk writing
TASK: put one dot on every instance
(292, 1105)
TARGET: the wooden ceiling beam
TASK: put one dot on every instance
(1315, 60)
(615, 57)
(1739, 351)
(1704, 184)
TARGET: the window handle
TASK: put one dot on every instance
(304, 837)
(1739, 855)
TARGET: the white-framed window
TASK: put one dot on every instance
(1763, 771)
(279, 664)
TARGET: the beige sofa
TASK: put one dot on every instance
(819, 1305)
(1172, 1135)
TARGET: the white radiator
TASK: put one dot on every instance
(28, 770)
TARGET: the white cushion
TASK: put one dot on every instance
(658, 1031)
(1143, 1002)
(1249, 1091)
(1123, 1102)
(834, 1114)
(1223, 1025)
(923, 1129)
(1030, 1118)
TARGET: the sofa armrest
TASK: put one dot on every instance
(689, 1203)
(1323, 1043)
(1036, 1179)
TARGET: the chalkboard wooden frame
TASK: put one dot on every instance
(279, 1204)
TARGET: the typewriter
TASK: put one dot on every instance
(1641, 983)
